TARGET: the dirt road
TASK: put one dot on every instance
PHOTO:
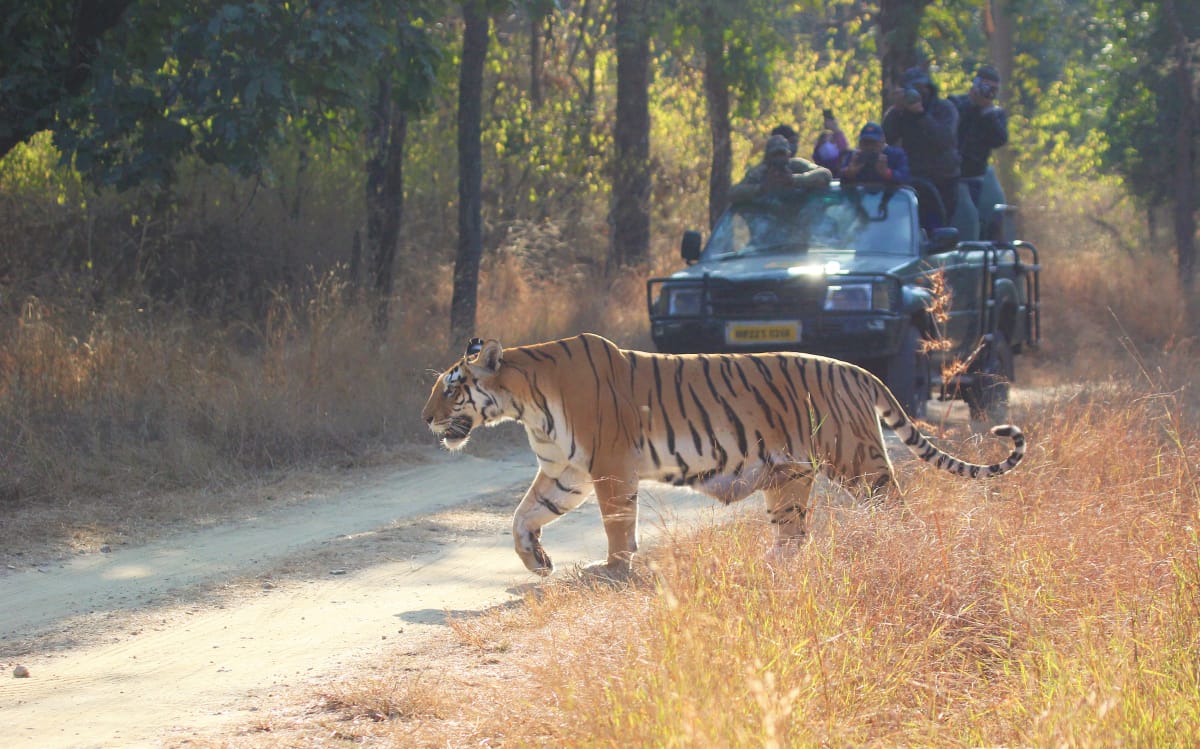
(148, 646)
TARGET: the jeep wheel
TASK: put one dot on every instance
(987, 395)
(907, 374)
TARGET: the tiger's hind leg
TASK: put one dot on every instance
(617, 495)
(870, 476)
(787, 510)
(547, 500)
(876, 487)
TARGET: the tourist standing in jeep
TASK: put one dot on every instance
(926, 127)
(982, 126)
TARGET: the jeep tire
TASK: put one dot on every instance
(987, 395)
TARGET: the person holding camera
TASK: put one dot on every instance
(831, 144)
(926, 127)
(982, 126)
(778, 170)
(874, 160)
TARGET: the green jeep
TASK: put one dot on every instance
(848, 272)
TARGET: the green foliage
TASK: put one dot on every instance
(277, 91)
(544, 158)
(1141, 93)
(227, 81)
(748, 35)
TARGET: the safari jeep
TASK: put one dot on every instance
(847, 272)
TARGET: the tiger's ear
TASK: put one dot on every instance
(473, 347)
(488, 356)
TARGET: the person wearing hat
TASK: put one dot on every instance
(779, 169)
(926, 127)
(874, 160)
(982, 126)
(789, 132)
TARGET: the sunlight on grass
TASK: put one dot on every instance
(1057, 606)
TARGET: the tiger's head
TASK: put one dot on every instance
(463, 397)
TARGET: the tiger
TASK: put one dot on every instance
(601, 419)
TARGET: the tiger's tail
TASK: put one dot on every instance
(893, 417)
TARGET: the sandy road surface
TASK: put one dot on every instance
(147, 646)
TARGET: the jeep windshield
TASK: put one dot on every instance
(863, 220)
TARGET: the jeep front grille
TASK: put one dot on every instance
(793, 298)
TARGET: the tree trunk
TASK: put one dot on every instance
(1001, 35)
(629, 215)
(535, 62)
(387, 131)
(1184, 156)
(1184, 177)
(899, 26)
(716, 96)
(470, 172)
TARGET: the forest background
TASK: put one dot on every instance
(236, 236)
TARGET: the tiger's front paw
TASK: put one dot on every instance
(536, 559)
(542, 564)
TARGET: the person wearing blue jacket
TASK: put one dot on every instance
(874, 160)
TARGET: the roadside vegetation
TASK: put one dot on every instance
(165, 343)
(1057, 606)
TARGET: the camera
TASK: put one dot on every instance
(911, 96)
(987, 89)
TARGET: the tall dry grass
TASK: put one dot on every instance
(1057, 609)
(129, 396)
(1056, 606)
(1102, 293)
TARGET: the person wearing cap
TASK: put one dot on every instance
(926, 127)
(982, 126)
(779, 169)
(789, 132)
(874, 160)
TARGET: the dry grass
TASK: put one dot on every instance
(114, 422)
(1057, 606)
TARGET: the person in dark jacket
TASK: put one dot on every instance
(874, 160)
(926, 127)
(982, 126)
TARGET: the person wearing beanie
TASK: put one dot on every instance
(926, 127)
(982, 126)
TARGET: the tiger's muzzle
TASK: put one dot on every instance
(454, 433)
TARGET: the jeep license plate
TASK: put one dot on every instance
(755, 333)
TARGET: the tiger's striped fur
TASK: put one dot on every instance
(726, 424)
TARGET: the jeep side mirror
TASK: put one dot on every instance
(945, 238)
(689, 248)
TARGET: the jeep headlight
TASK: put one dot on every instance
(859, 297)
(682, 301)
